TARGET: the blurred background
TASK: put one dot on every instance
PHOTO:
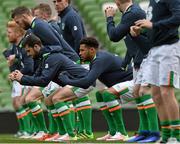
(93, 16)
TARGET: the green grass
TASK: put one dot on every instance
(9, 138)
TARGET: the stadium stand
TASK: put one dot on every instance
(5, 85)
(92, 13)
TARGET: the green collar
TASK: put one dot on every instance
(46, 55)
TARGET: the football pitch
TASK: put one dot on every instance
(9, 138)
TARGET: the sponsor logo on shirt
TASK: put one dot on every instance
(157, 1)
(46, 66)
(63, 26)
(75, 28)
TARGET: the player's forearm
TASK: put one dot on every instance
(33, 81)
(115, 33)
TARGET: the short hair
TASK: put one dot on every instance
(44, 8)
(90, 42)
(30, 40)
(124, 1)
(69, 1)
(20, 10)
(16, 27)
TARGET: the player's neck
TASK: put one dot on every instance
(18, 40)
(125, 6)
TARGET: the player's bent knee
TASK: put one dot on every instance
(99, 97)
(29, 99)
(135, 93)
(107, 96)
(57, 98)
(48, 101)
(144, 90)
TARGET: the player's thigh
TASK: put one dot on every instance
(136, 90)
(156, 94)
(16, 89)
(145, 90)
(80, 92)
(64, 94)
(50, 89)
(124, 90)
(170, 65)
(34, 94)
(150, 69)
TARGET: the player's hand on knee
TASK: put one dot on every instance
(18, 75)
(11, 76)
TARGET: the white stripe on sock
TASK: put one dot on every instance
(101, 104)
(84, 103)
(149, 101)
(53, 111)
(112, 103)
(61, 109)
(35, 108)
(71, 106)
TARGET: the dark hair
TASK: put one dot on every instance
(30, 40)
(124, 1)
(90, 42)
(20, 10)
(69, 1)
(45, 8)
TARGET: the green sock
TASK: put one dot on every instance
(52, 124)
(117, 115)
(20, 124)
(72, 113)
(115, 110)
(143, 126)
(166, 130)
(150, 112)
(85, 109)
(27, 119)
(175, 131)
(21, 113)
(58, 121)
(110, 121)
(64, 114)
(38, 113)
(34, 123)
(79, 122)
(106, 114)
(79, 127)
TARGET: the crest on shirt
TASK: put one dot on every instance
(75, 28)
(46, 66)
(63, 26)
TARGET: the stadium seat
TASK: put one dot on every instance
(5, 86)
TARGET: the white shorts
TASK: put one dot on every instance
(125, 90)
(50, 88)
(163, 66)
(139, 74)
(18, 89)
(80, 92)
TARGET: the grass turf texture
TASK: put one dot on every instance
(9, 138)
